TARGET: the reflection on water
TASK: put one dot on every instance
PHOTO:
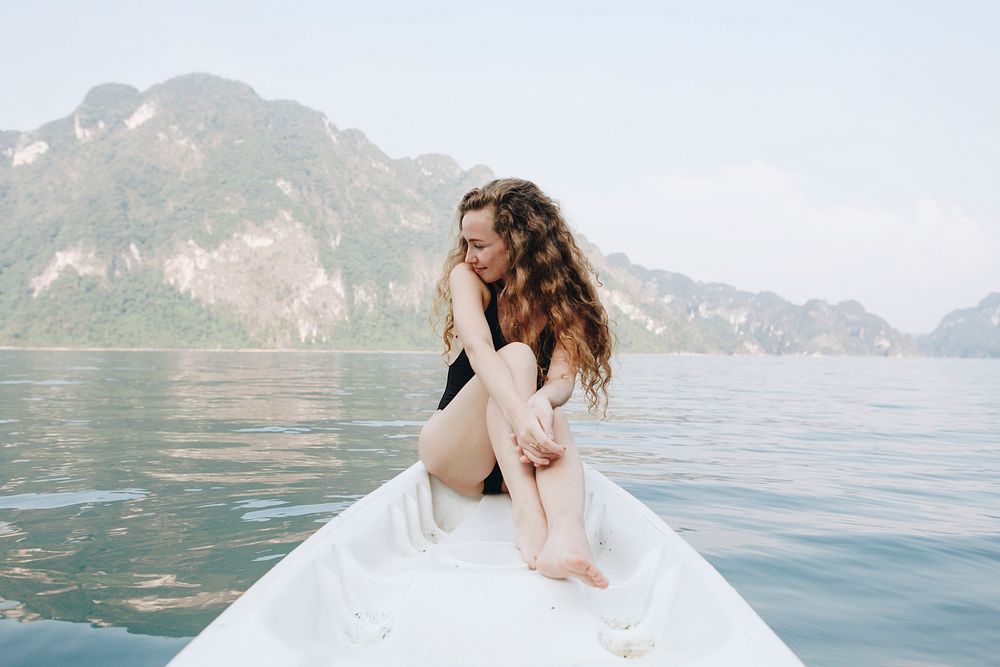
(851, 501)
(147, 490)
(62, 644)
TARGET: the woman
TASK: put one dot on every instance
(524, 308)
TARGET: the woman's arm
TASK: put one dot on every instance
(471, 326)
(559, 383)
(560, 380)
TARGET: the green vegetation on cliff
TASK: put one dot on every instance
(196, 214)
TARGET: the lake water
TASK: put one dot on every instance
(854, 502)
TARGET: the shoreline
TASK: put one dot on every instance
(257, 350)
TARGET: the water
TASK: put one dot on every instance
(853, 502)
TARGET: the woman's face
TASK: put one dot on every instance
(487, 252)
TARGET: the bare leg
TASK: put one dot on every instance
(530, 527)
(454, 445)
(566, 552)
(460, 444)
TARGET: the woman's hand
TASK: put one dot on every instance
(532, 439)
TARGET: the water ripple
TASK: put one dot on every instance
(45, 501)
(852, 502)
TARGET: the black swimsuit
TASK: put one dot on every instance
(460, 372)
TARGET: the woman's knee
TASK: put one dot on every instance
(518, 355)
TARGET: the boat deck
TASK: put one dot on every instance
(417, 574)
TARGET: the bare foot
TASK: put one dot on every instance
(530, 531)
(567, 554)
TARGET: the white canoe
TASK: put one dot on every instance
(415, 574)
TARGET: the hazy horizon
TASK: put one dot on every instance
(834, 152)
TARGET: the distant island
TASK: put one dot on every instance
(968, 332)
(196, 214)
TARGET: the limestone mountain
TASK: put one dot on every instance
(196, 214)
(968, 332)
(669, 311)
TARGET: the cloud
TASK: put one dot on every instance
(759, 228)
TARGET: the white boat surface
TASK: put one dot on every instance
(416, 574)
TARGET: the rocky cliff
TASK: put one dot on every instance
(669, 311)
(968, 332)
(196, 213)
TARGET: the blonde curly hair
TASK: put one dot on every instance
(550, 285)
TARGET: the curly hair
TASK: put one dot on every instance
(550, 283)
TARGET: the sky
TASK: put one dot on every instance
(831, 150)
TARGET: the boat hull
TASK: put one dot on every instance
(415, 573)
